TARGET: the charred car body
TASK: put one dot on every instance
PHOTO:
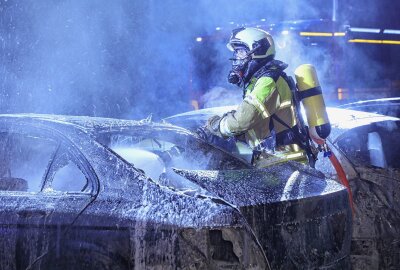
(385, 106)
(72, 199)
(368, 149)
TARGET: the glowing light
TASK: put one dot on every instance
(316, 34)
(199, 39)
(391, 31)
(195, 104)
(218, 28)
(339, 34)
(322, 34)
(394, 42)
(365, 30)
(281, 43)
(375, 41)
(340, 93)
(285, 32)
(263, 20)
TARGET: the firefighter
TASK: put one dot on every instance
(265, 119)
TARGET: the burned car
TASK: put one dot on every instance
(368, 148)
(98, 193)
(385, 106)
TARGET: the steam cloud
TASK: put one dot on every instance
(131, 58)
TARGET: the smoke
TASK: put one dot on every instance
(219, 96)
(102, 58)
(352, 67)
(212, 56)
(132, 58)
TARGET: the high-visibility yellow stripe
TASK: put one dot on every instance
(375, 41)
(295, 155)
(286, 103)
(254, 141)
(256, 103)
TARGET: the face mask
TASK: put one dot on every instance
(239, 64)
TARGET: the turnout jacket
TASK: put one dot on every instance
(266, 94)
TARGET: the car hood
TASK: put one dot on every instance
(293, 210)
(280, 183)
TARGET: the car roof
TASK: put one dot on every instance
(89, 123)
(340, 119)
(386, 106)
(393, 100)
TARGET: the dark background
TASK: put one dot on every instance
(131, 58)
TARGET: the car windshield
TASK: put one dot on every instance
(156, 152)
(377, 144)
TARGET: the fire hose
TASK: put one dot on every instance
(340, 172)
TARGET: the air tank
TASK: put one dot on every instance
(310, 93)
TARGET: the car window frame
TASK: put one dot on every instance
(150, 131)
(46, 132)
(342, 136)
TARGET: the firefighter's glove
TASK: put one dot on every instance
(213, 125)
(205, 134)
(210, 130)
(228, 113)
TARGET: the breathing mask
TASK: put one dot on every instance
(240, 61)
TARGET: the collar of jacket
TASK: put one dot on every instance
(272, 66)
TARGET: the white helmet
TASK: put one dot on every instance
(259, 42)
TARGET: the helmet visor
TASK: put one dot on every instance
(240, 55)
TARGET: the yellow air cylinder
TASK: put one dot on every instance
(313, 102)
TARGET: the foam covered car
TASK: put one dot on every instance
(97, 193)
(385, 106)
(368, 148)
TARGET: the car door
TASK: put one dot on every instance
(44, 186)
(373, 152)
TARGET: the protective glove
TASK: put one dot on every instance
(228, 113)
(213, 125)
(210, 130)
(204, 133)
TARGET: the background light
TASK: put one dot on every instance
(365, 30)
(391, 31)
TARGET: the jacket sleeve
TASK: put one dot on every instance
(251, 110)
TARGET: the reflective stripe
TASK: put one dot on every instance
(285, 95)
(295, 155)
(224, 129)
(256, 103)
(285, 104)
(293, 115)
(254, 140)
